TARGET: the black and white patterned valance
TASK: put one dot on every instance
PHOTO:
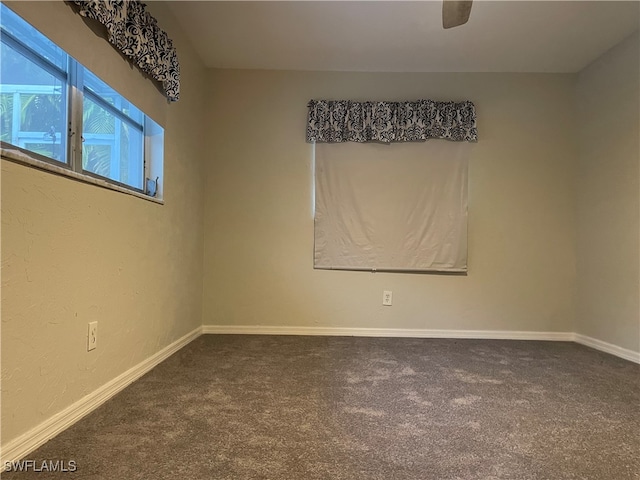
(134, 32)
(332, 121)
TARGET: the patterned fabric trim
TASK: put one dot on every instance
(134, 32)
(332, 121)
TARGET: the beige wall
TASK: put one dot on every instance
(259, 229)
(74, 253)
(608, 210)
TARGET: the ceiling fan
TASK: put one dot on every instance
(455, 12)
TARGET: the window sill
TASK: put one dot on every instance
(22, 158)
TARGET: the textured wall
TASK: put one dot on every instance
(259, 226)
(608, 250)
(74, 253)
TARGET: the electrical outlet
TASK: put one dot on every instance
(92, 338)
(387, 298)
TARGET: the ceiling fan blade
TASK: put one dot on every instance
(455, 12)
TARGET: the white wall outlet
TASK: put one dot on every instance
(387, 298)
(92, 338)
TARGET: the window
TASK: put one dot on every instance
(60, 112)
(397, 207)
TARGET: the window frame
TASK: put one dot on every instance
(75, 89)
(63, 75)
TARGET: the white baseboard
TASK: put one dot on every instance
(607, 347)
(386, 332)
(29, 441)
(425, 333)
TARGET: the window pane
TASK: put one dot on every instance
(31, 37)
(109, 95)
(33, 105)
(112, 147)
(35, 96)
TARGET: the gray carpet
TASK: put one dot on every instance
(269, 407)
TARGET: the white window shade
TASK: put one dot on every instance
(397, 207)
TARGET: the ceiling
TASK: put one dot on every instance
(399, 36)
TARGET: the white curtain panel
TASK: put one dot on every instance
(394, 207)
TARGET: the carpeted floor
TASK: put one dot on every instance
(306, 408)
